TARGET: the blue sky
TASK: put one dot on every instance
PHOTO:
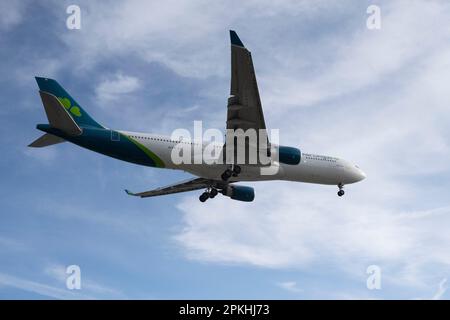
(377, 98)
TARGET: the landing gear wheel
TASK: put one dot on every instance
(213, 193)
(341, 191)
(226, 175)
(236, 171)
(204, 196)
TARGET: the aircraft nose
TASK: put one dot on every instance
(355, 174)
(361, 175)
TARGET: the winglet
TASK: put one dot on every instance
(235, 39)
(130, 193)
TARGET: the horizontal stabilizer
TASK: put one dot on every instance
(46, 140)
(57, 115)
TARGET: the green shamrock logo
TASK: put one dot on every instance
(73, 109)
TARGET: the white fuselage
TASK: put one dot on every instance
(312, 168)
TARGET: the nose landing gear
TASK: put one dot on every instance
(341, 190)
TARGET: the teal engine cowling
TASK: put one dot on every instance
(240, 193)
(289, 155)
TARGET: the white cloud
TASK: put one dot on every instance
(442, 288)
(40, 288)
(363, 58)
(11, 13)
(48, 68)
(58, 272)
(45, 155)
(290, 286)
(292, 230)
(187, 36)
(295, 228)
(116, 87)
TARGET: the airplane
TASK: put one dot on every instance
(68, 121)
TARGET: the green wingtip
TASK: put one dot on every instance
(235, 39)
(129, 192)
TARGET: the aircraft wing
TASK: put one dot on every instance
(188, 185)
(244, 110)
(244, 103)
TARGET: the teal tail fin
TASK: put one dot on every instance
(79, 115)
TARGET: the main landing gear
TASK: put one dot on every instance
(341, 190)
(209, 193)
(234, 172)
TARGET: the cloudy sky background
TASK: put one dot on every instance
(378, 98)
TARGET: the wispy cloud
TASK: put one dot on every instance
(290, 286)
(362, 58)
(51, 282)
(45, 156)
(442, 288)
(146, 30)
(40, 288)
(116, 87)
(11, 13)
(58, 272)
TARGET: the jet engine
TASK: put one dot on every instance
(241, 193)
(288, 155)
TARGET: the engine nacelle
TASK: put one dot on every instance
(241, 193)
(288, 155)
